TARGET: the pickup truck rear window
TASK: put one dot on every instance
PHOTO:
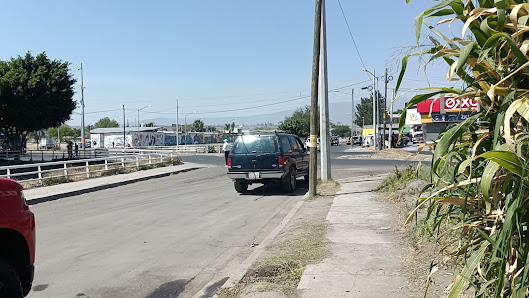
(255, 144)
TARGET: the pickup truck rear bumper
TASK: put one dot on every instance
(262, 175)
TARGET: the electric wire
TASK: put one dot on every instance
(351, 34)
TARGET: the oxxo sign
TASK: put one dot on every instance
(461, 104)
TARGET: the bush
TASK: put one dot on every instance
(401, 177)
(212, 149)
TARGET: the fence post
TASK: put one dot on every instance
(30, 155)
(8, 173)
(161, 157)
(150, 159)
(42, 155)
(106, 164)
(137, 163)
(87, 170)
(40, 174)
(65, 171)
(123, 162)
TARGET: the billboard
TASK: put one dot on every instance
(413, 117)
(451, 104)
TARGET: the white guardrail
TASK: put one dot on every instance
(88, 167)
(204, 148)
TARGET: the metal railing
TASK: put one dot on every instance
(51, 155)
(203, 148)
(87, 167)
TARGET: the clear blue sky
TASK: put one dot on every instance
(212, 55)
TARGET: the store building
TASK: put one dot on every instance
(438, 113)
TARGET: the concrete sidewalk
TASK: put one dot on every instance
(50, 193)
(366, 255)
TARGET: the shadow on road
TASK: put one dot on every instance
(274, 189)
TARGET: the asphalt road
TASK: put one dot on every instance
(164, 237)
(340, 167)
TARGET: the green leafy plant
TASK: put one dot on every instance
(480, 170)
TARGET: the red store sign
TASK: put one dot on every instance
(451, 105)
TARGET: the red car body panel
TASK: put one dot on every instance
(16, 216)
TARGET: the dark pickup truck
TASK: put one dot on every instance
(265, 158)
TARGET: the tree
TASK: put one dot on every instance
(341, 130)
(35, 93)
(364, 110)
(298, 123)
(399, 111)
(66, 131)
(150, 124)
(198, 125)
(106, 123)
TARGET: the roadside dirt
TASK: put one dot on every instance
(279, 269)
(422, 254)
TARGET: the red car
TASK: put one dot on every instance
(17, 241)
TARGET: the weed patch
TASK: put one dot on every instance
(287, 260)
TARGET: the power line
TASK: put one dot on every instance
(289, 99)
(351, 34)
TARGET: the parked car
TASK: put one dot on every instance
(417, 138)
(335, 140)
(307, 144)
(47, 143)
(17, 241)
(87, 143)
(266, 158)
(357, 140)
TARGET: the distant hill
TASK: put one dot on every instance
(337, 114)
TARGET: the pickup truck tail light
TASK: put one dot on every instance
(281, 161)
(229, 162)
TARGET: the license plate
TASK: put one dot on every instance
(254, 175)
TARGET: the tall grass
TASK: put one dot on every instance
(480, 169)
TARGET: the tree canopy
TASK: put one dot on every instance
(341, 130)
(106, 123)
(198, 125)
(364, 110)
(298, 123)
(35, 93)
(66, 131)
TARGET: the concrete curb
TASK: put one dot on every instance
(250, 260)
(40, 198)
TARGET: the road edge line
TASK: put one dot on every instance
(250, 260)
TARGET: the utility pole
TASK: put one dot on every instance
(124, 134)
(375, 144)
(385, 109)
(177, 130)
(390, 137)
(353, 116)
(313, 165)
(82, 109)
(325, 142)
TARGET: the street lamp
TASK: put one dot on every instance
(185, 122)
(352, 113)
(82, 109)
(139, 115)
(374, 106)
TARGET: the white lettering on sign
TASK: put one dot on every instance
(464, 104)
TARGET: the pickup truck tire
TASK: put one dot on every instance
(241, 185)
(289, 183)
(10, 285)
